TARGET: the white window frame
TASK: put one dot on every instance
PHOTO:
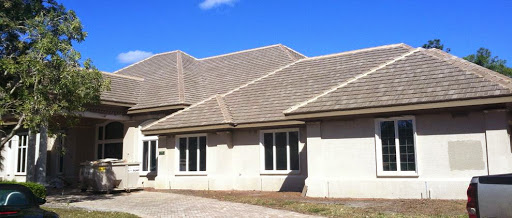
(141, 153)
(262, 152)
(378, 149)
(177, 155)
(20, 141)
(106, 141)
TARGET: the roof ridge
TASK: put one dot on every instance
(287, 52)
(181, 83)
(296, 106)
(154, 55)
(222, 95)
(359, 50)
(179, 112)
(262, 77)
(123, 76)
(290, 49)
(500, 79)
(238, 52)
(224, 109)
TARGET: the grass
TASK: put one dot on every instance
(339, 207)
(72, 212)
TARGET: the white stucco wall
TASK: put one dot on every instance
(233, 163)
(342, 156)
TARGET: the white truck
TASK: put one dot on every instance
(490, 196)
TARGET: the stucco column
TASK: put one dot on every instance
(165, 166)
(498, 142)
(316, 182)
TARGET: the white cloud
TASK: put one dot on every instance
(133, 56)
(209, 4)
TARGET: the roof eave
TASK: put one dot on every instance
(410, 107)
(159, 108)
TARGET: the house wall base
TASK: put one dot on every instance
(388, 188)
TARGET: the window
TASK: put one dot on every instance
(110, 141)
(280, 149)
(191, 153)
(21, 166)
(60, 154)
(395, 145)
(149, 154)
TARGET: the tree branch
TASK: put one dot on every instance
(12, 133)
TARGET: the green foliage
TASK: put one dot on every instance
(435, 43)
(484, 58)
(41, 75)
(38, 189)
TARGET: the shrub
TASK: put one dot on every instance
(38, 189)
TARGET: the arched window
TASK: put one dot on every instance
(110, 141)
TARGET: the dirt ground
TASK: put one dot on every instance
(337, 207)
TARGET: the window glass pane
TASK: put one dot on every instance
(113, 150)
(20, 153)
(153, 152)
(281, 157)
(294, 150)
(114, 130)
(268, 144)
(183, 154)
(406, 140)
(100, 133)
(100, 151)
(145, 150)
(202, 153)
(387, 136)
(192, 154)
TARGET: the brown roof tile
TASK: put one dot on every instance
(266, 98)
(423, 77)
(175, 78)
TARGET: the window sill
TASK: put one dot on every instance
(191, 174)
(384, 174)
(280, 172)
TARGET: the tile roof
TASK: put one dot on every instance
(265, 99)
(424, 76)
(176, 78)
(123, 89)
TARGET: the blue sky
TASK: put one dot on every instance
(210, 27)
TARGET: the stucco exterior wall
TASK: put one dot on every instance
(233, 163)
(450, 150)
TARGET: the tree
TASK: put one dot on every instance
(483, 57)
(435, 43)
(43, 82)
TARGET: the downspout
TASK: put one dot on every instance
(486, 144)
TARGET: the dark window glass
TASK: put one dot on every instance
(114, 130)
(100, 133)
(145, 150)
(183, 154)
(294, 150)
(23, 159)
(192, 154)
(268, 143)
(387, 136)
(406, 141)
(20, 153)
(113, 150)
(281, 157)
(153, 152)
(202, 153)
(100, 152)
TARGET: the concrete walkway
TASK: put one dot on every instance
(156, 204)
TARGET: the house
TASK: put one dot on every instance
(384, 122)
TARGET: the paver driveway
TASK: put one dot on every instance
(156, 204)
